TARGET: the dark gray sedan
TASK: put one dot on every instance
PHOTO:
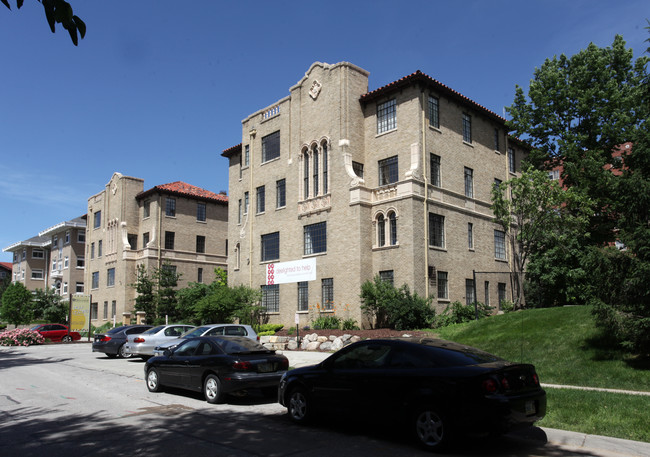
(112, 342)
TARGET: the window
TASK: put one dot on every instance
(511, 160)
(200, 244)
(469, 292)
(280, 193)
(97, 219)
(469, 182)
(239, 211)
(501, 288)
(66, 240)
(270, 246)
(392, 220)
(315, 238)
(386, 116)
(38, 253)
(554, 175)
(132, 239)
(146, 209)
(314, 170)
(199, 275)
(467, 128)
(436, 230)
(79, 288)
(100, 244)
(496, 139)
(434, 164)
(303, 296)
(247, 155)
(245, 202)
(169, 240)
(93, 310)
(81, 262)
(65, 288)
(66, 262)
(170, 207)
(261, 199)
(388, 171)
(387, 276)
(145, 240)
(443, 285)
(470, 235)
(486, 287)
(305, 178)
(497, 182)
(499, 245)
(37, 274)
(358, 169)
(200, 212)
(110, 277)
(325, 168)
(434, 113)
(95, 280)
(81, 236)
(271, 146)
(381, 230)
(92, 250)
(271, 298)
(55, 243)
(105, 310)
(53, 264)
(327, 286)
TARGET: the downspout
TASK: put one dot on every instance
(160, 202)
(251, 134)
(426, 197)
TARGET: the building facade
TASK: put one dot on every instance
(174, 225)
(30, 262)
(394, 182)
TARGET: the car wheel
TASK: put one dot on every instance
(122, 352)
(111, 356)
(431, 428)
(153, 381)
(298, 406)
(212, 389)
(66, 339)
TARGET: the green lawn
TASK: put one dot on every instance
(566, 348)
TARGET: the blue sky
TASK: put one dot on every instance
(158, 88)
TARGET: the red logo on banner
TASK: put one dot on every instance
(270, 274)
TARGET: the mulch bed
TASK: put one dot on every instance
(364, 334)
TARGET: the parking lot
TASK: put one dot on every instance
(66, 400)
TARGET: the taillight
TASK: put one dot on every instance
(284, 364)
(490, 386)
(105, 338)
(536, 379)
(242, 366)
(505, 384)
(138, 340)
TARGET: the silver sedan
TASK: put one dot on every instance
(143, 344)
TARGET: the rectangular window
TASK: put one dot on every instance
(245, 202)
(303, 296)
(81, 262)
(443, 287)
(110, 277)
(486, 287)
(315, 238)
(239, 209)
(95, 280)
(66, 240)
(469, 182)
(511, 160)
(271, 298)
(388, 171)
(469, 292)
(169, 240)
(270, 246)
(327, 286)
(132, 239)
(386, 116)
(170, 207)
(146, 209)
(199, 275)
(200, 244)
(387, 276)
(145, 240)
(501, 288)
(499, 245)
(434, 113)
(467, 128)
(554, 175)
(434, 164)
(81, 236)
(100, 249)
(97, 219)
(55, 244)
(201, 212)
(271, 146)
(261, 199)
(280, 193)
(496, 139)
(79, 288)
(247, 155)
(37, 274)
(93, 311)
(105, 310)
(470, 235)
(358, 169)
(436, 230)
(113, 308)
(53, 264)
(38, 253)
(66, 262)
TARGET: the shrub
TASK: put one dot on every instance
(457, 313)
(263, 328)
(507, 306)
(326, 323)
(349, 324)
(20, 337)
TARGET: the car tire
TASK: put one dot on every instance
(298, 406)
(212, 389)
(111, 356)
(122, 352)
(153, 380)
(66, 339)
(431, 428)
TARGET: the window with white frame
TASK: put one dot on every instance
(499, 244)
(37, 274)
(79, 287)
(38, 253)
(66, 263)
(388, 171)
(271, 146)
(66, 240)
(55, 242)
(65, 288)
(271, 298)
(436, 230)
(81, 262)
(81, 236)
(315, 238)
(386, 116)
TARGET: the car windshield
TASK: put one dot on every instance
(154, 330)
(35, 327)
(239, 345)
(116, 329)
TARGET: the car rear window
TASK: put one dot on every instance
(196, 332)
(459, 356)
(116, 329)
(153, 330)
(239, 345)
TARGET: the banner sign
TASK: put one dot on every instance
(295, 271)
(79, 312)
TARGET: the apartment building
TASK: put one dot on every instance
(393, 182)
(174, 225)
(5, 270)
(30, 262)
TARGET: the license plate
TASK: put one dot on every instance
(530, 408)
(265, 367)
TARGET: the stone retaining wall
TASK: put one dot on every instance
(309, 342)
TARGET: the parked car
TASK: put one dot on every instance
(217, 365)
(436, 388)
(112, 342)
(143, 344)
(56, 332)
(210, 330)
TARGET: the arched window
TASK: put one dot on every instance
(305, 159)
(237, 256)
(381, 230)
(392, 219)
(314, 161)
(324, 147)
(314, 169)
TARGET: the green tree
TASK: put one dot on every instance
(535, 212)
(17, 305)
(167, 279)
(49, 306)
(145, 286)
(59, 11)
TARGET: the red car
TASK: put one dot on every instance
(56, 332)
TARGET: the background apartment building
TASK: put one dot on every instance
(67, 256)
(30, 262)
(395, 182)
(174, 225)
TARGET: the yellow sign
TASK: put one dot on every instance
(80, 312)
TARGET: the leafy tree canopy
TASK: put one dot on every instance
(59, 11)
(17, 305)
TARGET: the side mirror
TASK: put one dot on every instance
(167, 352)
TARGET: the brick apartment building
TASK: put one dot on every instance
(174, 225)
(393, 182)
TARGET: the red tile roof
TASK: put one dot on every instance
(7, 265)
(231, 151)
(185, 190)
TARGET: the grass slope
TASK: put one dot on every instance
(566, 348)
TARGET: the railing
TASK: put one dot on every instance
(271, 112)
